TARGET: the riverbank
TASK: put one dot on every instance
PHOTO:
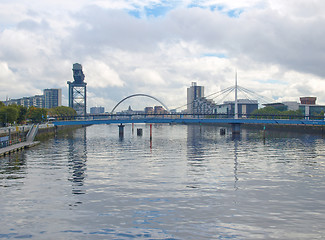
(17, 147)
(308, 129)
(16, 136)
(45, 133)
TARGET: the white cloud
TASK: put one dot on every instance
(100, 75)
(276, 46)
(10, 84)
(148, 77)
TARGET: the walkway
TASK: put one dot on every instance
(16, 147)
(19, 146)
(181, 120)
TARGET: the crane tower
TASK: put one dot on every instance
(77, 91)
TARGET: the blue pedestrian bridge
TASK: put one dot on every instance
(188, 119)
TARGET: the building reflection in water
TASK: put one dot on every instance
(195, 144)
(200, 139)
(12, 167)
(77, 158)
(235, 162)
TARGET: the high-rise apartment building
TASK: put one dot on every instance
(194, 92)
(52, 97)
(38, 101)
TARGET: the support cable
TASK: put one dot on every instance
(219, 92)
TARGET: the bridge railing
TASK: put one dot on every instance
(187, 116)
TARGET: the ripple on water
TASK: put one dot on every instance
(189, 183)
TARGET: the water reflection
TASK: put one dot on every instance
(195, 145)
(235, 163)
(12, 167)
(77, 159)
(209, 186)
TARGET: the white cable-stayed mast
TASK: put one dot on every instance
(236, 100)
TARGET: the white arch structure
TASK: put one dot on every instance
(139, 95)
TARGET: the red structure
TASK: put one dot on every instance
(308, 100)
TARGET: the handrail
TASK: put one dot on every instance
(200, 115)
(32, 133)
(30, 130)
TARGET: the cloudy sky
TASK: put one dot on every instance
(159, 47)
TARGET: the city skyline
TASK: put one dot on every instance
(159, 48)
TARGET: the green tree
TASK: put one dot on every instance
(271, 112)
(8, 114)
(22, 114)
(3, 116)
(37, 115)
(62, 111)
(266, 112)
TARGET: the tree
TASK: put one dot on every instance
(37, 115)
(3, 116)
(271, 112)
(13, 113)
(22, 114)
(266, 112)
(62, 111)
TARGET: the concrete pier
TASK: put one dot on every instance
(150, 132)
(121, 130)
(139, 131)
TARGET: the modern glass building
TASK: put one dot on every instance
(245, 107)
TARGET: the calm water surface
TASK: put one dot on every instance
(192, 183)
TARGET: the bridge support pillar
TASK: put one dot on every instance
(235, 128)
(121, 130)
(150, 132)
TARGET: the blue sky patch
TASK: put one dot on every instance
(235, 13)
(135, 13)
(218, 55)
(161, 9)
(194, 5)
(158, 10)
(155, 10)
(219, 8)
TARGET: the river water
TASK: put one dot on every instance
(189, 183)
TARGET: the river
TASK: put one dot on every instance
(190, 182)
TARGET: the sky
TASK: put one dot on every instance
(160, 47)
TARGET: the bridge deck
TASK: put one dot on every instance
(192, 120)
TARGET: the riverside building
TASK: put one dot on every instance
(50, 98)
